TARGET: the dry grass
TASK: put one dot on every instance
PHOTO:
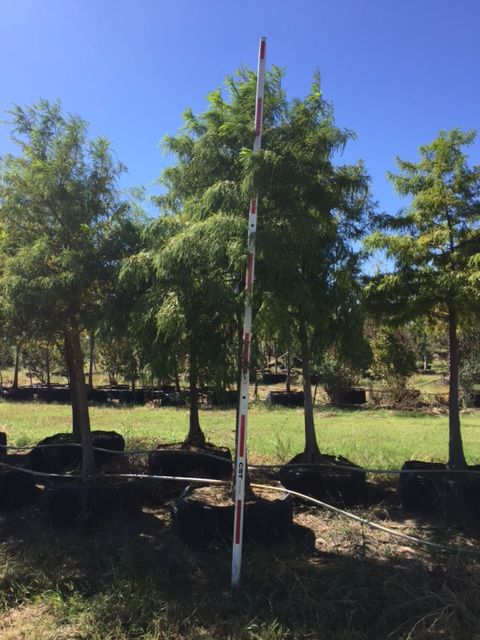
(333, 579)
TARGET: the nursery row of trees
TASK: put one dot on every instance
(158, 296)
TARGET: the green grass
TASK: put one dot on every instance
(131, 578)
(372, 438)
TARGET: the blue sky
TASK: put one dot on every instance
(397, 72)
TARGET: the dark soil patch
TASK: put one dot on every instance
(182, 460)
(205, 517)
(338, 480)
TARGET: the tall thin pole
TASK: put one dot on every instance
(241, 452)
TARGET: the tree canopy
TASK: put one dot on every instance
(63, 230)
(435, 245)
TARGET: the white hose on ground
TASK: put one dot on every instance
(303, 465)
(319, 503)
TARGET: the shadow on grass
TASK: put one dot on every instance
(131, 578)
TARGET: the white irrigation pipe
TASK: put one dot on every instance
(241, 444)
(76, 476)
(322, 465)
(319, 503)
(369, 523)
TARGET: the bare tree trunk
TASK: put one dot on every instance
(177, 380)
(456, 456)
(18, 349)
(195, 435)
(311, 451)
(287, 386)
(78, 392)
(47, 364)
(91, 341)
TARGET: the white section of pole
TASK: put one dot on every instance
(241, 446)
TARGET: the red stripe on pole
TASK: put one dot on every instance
(242, 436)
(239, 517)
(242, 422)
(262, 49)
(258, 117)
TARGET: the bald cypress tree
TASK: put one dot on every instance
(435, 246)
(60, 242)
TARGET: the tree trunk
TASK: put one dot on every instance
(456, 457)
(195, 435)
(311, 451)
(18, 349)
(177, 380)
(78, 392)
(47, 365)
(91, 341)
(287, 385)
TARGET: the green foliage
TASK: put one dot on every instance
(469, 378)
(41, 358)
(61, 219)
(434, 242)
(62, 231)
(336, 376)
(310, 213)
(393, 359)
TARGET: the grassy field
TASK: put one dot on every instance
(130, 578)
(372, 438)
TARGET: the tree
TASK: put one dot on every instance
(205, 183)
(435, 245)
(186, 266)
(311, 213)
(61, 220)
(393, 360)
(310, 209)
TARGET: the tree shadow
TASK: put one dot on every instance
(130, 572)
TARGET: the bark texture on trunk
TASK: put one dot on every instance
(456, 456)
(78, 391)
(311, 451)
(195, 435)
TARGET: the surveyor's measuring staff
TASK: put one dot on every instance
(241, 451)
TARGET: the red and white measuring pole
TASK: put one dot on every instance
(241, 452)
